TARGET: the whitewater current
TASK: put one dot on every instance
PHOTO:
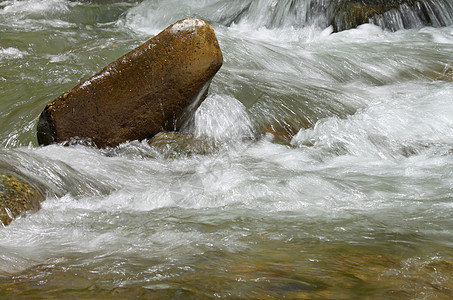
(357, 202)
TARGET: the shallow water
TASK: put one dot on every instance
(358, 204)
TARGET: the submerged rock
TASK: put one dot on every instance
(285, 129)
(17, 197)
(439, 73)
(154, 87)
(391, 14)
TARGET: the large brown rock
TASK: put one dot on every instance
(17, 197)
(152, 88)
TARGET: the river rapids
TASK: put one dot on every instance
(354, 201)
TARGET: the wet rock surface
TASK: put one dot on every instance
(154, 87)
(17, 197)
(285, 129)
(175, 144)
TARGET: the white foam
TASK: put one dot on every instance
(11, 53)
(387, 126)
(222, 118)
(40, 6)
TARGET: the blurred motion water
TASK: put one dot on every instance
(358, 203)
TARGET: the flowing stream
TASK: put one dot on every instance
(357, 204)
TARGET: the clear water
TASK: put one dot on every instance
(358, 204)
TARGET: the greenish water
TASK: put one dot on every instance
(358, 204)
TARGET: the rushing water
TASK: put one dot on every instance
(358, 204)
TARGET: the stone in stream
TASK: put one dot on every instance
(391, 14)
(154, 87)
(16, 197)
(283, 130)
(177, 144)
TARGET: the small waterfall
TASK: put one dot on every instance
(392, 15)
(346, 14)
(340, 14)
(273, 14)
(280, 13)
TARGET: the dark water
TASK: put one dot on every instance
(358, 204)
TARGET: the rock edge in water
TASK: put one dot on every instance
(17, 197)
(154, 87)
(177, 144)
(391, 14)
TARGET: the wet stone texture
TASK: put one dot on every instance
(176, 145)
(16, 197)
(154, 87)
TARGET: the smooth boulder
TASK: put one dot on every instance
(154, 87)
(17, 197)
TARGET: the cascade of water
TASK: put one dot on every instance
(396, 16)
(341, 14)
(393, 15)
